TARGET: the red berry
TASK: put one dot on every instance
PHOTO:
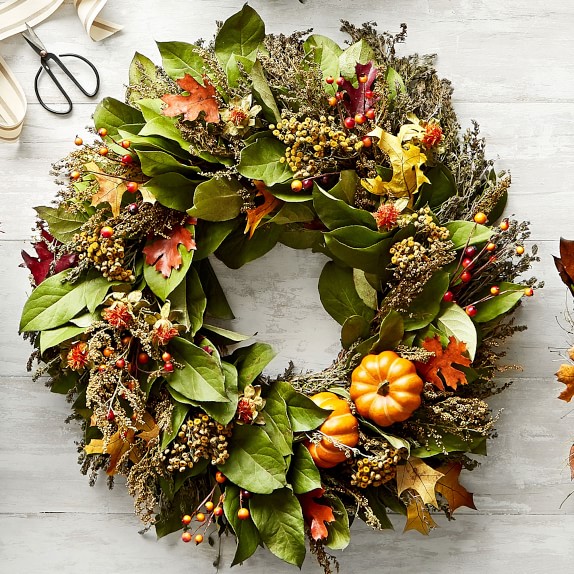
(169, 367)
(132, 186)
(102, 132)
(467, 263)
(329, 79)
(471, 251)
(480, 218)
(332, 101)
(218, 511)
(125, 144)
(471, 310)
(220, 478)
(166, 357)
(465, 277)
(307, 184)
(186, 536)
(246, 494)
(340, 95)
(120, 363)
(143, 358)
(111, 415)
(78, 140)
(243, 514)
(494, 290)
(106, 232)
(186, 519)
(296, 185)
(448, 297)
(363, 79)
(340, 81)
(360, 119)
(370, 113)
(127, 159)
(367, 141)
(369, 94)
(492, 259)
(102, 368)
(349, 123)
(529, 292)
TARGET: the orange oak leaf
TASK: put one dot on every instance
(120, 443)
(164, 253)
(442, 363)
(420, 477)
(456, 495)
(111, 189)
(255, 215)
(418, 517)
(565, 375)
(200, 99)
(148, 431)
(316, 514)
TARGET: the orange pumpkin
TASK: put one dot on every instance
(386, 388)
(340, 425)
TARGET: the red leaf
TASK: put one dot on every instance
(355, 100)
(163, 253)
(200, 99)
(316, 514)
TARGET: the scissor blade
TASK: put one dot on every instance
(33, 40)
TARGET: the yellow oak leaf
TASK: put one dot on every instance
(406, 162)
(111, 189)
(120, 443)
(418, 517)
(455, 494)
(255, 215)
(565, 375)
(420, 477)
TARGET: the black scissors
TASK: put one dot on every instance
(45, 58)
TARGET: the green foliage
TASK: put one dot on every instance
(426, 305)
(304, 476)
(172, 190)
(180, 58)
(261, 160)
(163, 286)
(303, 413)
(339, 532)
(217, 200)
(510, 295)
(111, 114)
(63, 224)
(454, 321)
(463, 233)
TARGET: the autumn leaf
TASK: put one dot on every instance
(316, 514)
(565, 375)
(120, 443)
(255, 215)
(356, 101)
(110, 189)
(456, 495)
(149, 430)
(565, 263)
(200, 99)
(406, 162)
(418, 517)
(164, 253)
(571, 462)
(442, 363)
(420, 477)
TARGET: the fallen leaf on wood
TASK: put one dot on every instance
(420, 477)
(200, 99)
(164, 253)
(316, 514)
(455, 494)
(418, 517)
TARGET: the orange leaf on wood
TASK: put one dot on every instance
(456, 495)
(565, 375)
(255, 215)
(442, 363)
(200, 99)
(164, 253)
(316, 514)
(418, 517)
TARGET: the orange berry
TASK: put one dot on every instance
(243, 514)
(186, 537)
(166, 357)
(480, 218)
(490, 247)
(296, 185)
(132, 186)
(78, 140)
(143, 358)
(75, 175)
(200, 517)
(367, 141)
(218, 511)
(363, 79)
(529, 292)
(198, 538)
(186, 519)
(220, 477)
(209, 506)
(125, 144)
(495, 290)
(504, 225)
(332, 101)
(106, 232)
(103, 151)
(108, 352)
(102, 132)
(519, 249)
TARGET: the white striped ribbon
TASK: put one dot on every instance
(13, 18)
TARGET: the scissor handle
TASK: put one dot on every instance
(46, 67)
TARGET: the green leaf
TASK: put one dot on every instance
(159, 163)
(293, 213)
(201, 378)
(54, 337)
(112, 114)
(180, 58)
(442, 186)
(301, 238)
(162, 286)
(303, 413)
(210, 234)
(239, 249)
(62, 223)
(339, 296)
(346, 187)
(453, 320)
(159, 125)
(354, 328)
(463, 231)
(365, 291)
(358, 53)
(326, 55)
(64, 382)
(510, 294)
(378, 506)
(246, 533)
(261, 160)
(178, 415)
(217, 200)
(217, 304)
(263, 93)
(279, 519)
(225, 336)
(224, 412)
(254, 463)
(251, 360)
(142, 71)
(172, 190)
(335, 212)
(339, 533)
(304, 476)
(395, 84)
(241, 35)
(189, 300)
(198, 468)
(391, 332)
(54, 302)
(426, 304)
(450, 443)
(151, 143)
(277, 424)
(394, 441)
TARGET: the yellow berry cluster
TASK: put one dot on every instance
(424, 223)
(106, 253)
(200, 437)
(310, 139)
(407, 250)
(377, 470)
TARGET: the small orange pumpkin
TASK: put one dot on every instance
(386, 388)
(340, 425)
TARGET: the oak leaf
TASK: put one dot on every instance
(455, 494)
(255, 215)
(406, 162)
(149, 430)
(565, 375)
(420, 477)
(418, 517)
(316, 514)
(164, 253)
(119, 444)
(442, 363)
(200, 99)
(110, 189)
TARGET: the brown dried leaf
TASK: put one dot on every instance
(418, 517)
(565, 375)
(456, 495)
(148, 430)
(420, 477)
(200, 99)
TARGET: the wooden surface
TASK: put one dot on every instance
(512, 68)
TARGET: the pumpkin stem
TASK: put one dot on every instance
(383, 389)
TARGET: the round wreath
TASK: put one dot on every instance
(225, 151)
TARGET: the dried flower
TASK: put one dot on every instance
(239, 115)
(118, 315)
(432, 136)
(78, 356)
(163, 331)
(249, 405)
(386, 216)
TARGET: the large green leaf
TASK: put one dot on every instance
(279, 519)
(339, 296)
(151, 142)
(426, 305)
(304, 476)
(365, 290)
(172, 190)
(451, 443)
(254, 463)
(55, 301)
(162, 286)
(442, 186)
(462, 232)
(54, 337)
(210, 234)
(391, 332)
(395, 84)
(239, 249)
(251, 360)
(453, 320)
(180, 58)
(263, 93)
(217, 304)
(354, 328)
(142, 71)
(303, 413)
(178, 415)
(339, 532)
(261, 160)
(159, 162)
(62, 223)
(112, 114)
(159, 125)
(358, 53)
(509, 296)
(246, 533)
(201, 378)
(326, 54)
(277, 424)
(335, 212)
(217, 200)
(224, 413)
(189, 299)
(293, 213)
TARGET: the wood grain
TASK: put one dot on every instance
(511, 66)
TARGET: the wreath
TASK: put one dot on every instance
(226, 150)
